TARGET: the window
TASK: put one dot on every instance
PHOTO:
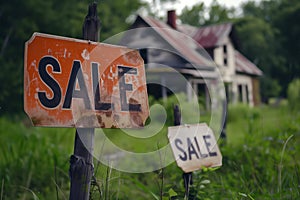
(225, 61)
(225, 49)
(144, 55)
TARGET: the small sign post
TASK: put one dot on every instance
(194, 146)
(187, 177)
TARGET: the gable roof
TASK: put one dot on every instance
(212, 35)
(189, 42)
(245, 66)
(184, 44)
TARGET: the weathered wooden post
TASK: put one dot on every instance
(187, 177)
(81, 162)
(62, 88)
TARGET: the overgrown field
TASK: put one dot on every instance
(261, 160)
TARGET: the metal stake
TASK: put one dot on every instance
(187, 177)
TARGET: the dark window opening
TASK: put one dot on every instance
(156, 90)
(225, 61)
(247, 94)
(144, 55)
(225, 49)
(240, 89)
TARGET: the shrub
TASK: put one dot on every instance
(294, 94)
(269, 88)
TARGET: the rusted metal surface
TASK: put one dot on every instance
(211, 36)
(194, 147)
(70, 82)
(245, 66)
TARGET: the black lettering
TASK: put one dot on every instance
(191, 149)
(205, 138)
(96, 89)
(72, 92)
(177, 143)
(198, 147)
(125, 106)
(50, 82)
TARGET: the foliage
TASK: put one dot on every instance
(113, 15)
(200, 15)
(19, 19)
(260, 161)
(34, 161)
(218, 13)
(194, 16)
(269, 88)
(278, 60)
(294, 95)
(287, 21)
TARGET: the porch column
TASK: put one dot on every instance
(234, 90)
(244, 93)
(195, 90)
(189, 90)
(163, 88)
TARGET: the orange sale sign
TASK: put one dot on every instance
(77, 83)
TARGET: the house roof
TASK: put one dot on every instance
(184, 44)
(189, 41)
(212, 35)
(245, 66)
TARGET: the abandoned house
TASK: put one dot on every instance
(197, 54)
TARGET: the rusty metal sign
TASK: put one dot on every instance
(78, 83)
(194, 147)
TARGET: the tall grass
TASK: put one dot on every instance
(29, 157)
(261, 160)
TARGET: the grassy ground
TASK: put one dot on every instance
(261, 160)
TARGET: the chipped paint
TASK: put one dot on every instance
(85, 54)
(82, 111)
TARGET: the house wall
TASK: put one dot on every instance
(240, 87)
(244, 88)
(225, 59)
(256, 91)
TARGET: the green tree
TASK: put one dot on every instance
(218, 13)
(287, 21)
(294, 95)
(269, 32)
(194, 16)
(259, 42)
(200, 15)
(18, 21)
(269, 87)
(113, 15)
